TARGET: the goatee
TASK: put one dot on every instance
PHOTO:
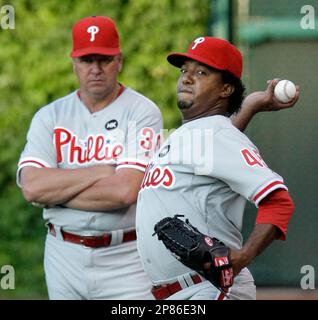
(184, 104)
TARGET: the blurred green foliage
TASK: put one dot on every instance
(35, 69)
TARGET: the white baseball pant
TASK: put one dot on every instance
(75, 272)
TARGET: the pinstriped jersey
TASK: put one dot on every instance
(66, 135)
(205, 170)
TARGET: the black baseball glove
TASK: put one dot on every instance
(207, 256)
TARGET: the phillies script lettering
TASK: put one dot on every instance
(157, 176)
(93, 148)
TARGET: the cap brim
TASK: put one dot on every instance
(95, 50)
(177, 60)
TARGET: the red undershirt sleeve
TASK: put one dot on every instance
(276, 209)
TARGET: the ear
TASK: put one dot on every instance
(120, 62)
(73, 64)
(227, 90)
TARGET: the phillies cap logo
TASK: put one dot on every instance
(197, 41)
(92, 30)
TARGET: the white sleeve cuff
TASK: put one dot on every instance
(263, 191)
(131, 164)
(30, 162)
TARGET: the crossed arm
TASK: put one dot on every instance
(116, 191)
(96, 188)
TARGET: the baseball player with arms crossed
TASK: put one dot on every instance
(84, 160)
(204, 172)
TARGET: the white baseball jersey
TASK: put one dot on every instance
(64, 134)
(205, 171)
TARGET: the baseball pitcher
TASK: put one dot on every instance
(190, 207)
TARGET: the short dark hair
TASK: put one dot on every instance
(237, 97)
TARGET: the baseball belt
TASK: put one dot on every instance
(92, 241)
(164, 291)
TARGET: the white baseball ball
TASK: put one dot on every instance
(285, 91)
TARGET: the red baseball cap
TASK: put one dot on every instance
(95, 35)
(214, 52)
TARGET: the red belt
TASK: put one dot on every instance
(164, 291)
(92, 241)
